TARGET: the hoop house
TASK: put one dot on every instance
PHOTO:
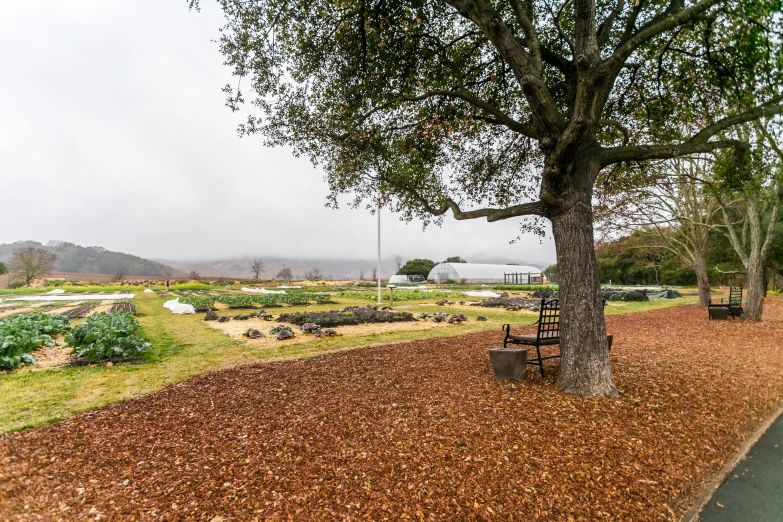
(482, 273)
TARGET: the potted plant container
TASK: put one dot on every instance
(509, 364)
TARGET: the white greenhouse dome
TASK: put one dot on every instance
(481, 273)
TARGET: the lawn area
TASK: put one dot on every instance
(413, 430)
(186, 346)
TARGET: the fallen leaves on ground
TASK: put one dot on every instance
(416, 430)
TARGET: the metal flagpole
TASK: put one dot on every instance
(379, 242)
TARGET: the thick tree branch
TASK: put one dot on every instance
(531, 35)
(461, 94)
(657, 152)
(769, 108)
(534, 89)
(674, 19)
(585, 36)
(534, 208)
(697, 144)
(605, 29)
(474, 100)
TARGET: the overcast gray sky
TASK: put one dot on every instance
(113, 132)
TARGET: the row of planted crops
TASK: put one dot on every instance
(202, 303)
(102, 336)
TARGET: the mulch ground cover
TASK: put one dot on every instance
(415, 430)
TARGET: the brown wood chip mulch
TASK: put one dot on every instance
(417, 430)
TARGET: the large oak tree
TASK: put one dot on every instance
(498, 109)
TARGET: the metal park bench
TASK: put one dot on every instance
(729, 307)
(548, 333)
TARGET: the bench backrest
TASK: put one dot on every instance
(549, 319)
(735, 295)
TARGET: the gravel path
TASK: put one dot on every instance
(418, 429)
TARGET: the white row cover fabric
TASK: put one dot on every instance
(148, 291)
(179, 308)
(482, 293)
(263, 291)
(79, 297)
(56, 291)
(479, 273)
(289, 287)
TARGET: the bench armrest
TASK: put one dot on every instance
(507, 327)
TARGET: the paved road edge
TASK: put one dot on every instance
(692, 515)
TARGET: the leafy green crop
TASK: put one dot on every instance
(23, 334)
(273, 300)
(201, 304)
(399, 295)
(107, 335)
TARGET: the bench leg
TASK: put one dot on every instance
(540, 362)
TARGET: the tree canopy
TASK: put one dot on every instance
(417, 266)
(32, 262)
(460, 103)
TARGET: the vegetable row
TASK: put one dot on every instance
(202, 303)
(102, 336)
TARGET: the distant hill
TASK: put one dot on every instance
(93, 260)
(330, 268)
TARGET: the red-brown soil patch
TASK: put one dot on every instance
(419, 429)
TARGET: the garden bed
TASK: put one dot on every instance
(351, 315)
(419, 429)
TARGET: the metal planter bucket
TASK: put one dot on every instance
(509, 364)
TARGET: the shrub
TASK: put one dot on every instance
(504, 302)
(310, 328)
(325, 332)
(635, 296)
(439, 317)
(54, 282)
(107, 335)
(450, 282)
(16, 284)
(282, 332)
(253, 334)
(23, 334)
(282, 335)
(619, 295)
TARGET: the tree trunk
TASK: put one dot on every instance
(585, 368)
(702, 280)
(754, 305)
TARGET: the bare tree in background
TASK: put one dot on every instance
(257, 267)
(672, 208)
(314, 274)
(361, 275)
(119, 276)
(397, 263)
(195, 275)
(32, 262)
(284, 274)
(374, 274)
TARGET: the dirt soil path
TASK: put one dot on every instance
(418, 429)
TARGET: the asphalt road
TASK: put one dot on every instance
(754, 490)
